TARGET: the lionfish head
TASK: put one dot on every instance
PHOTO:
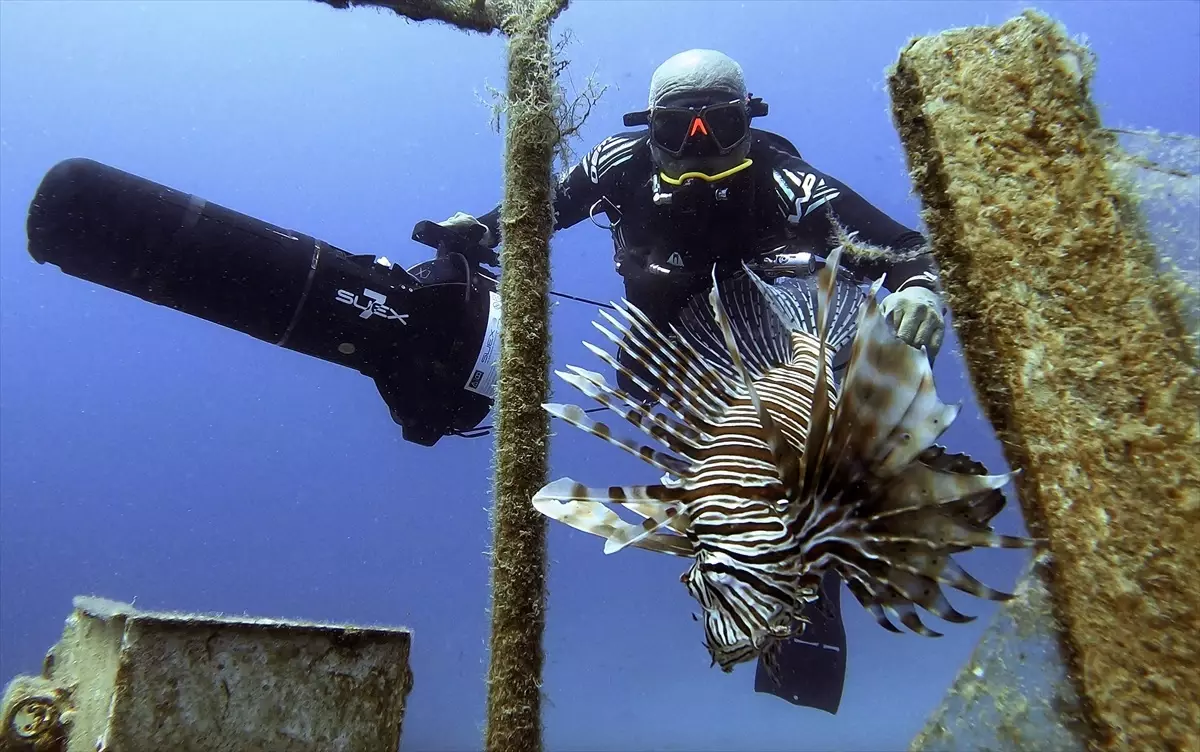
(773, 474)
(733, 634)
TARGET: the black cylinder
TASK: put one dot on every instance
(118, 230)
(167, 247)
(419, 339)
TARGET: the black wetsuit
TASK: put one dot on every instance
(779, 201)
(666, 241)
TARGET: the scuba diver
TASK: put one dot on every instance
(699, 187)
(694, 188)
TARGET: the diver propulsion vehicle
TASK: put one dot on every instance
(428, 335)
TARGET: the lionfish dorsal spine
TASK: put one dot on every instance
(678, 378)
(677, 436)
(686, 419)
(814, 441)
(786, 461)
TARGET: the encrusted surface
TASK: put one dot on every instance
(1079, 351)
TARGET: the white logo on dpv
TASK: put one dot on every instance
(375, 304)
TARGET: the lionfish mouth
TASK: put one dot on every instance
(775, 476)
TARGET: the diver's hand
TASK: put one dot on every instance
(919, 318)
(465, 225)
(462, 222)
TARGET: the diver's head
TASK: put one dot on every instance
(699, 115)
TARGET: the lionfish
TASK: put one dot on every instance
(775, 475)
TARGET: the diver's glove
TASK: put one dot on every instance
(919, 317)
(467, 226)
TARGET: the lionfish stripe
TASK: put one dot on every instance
(603, 522)
(575, 415)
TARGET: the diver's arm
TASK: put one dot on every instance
(914, 306)
(579, 188)
(818, 199)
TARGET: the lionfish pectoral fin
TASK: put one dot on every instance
(633, 535)
(908, 616)
(576, 416)
(926, 419)
(676, 436)
(858, 588)
(888, 399)
(960, 579)
(582, 508)
(919, 485)
(681, 376)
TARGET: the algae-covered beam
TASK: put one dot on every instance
(519, 538)
(527, 222)
(469, 15)
(1078, 352)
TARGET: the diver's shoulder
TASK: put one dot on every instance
(772, 145)
(628, 141)
(616, 154)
